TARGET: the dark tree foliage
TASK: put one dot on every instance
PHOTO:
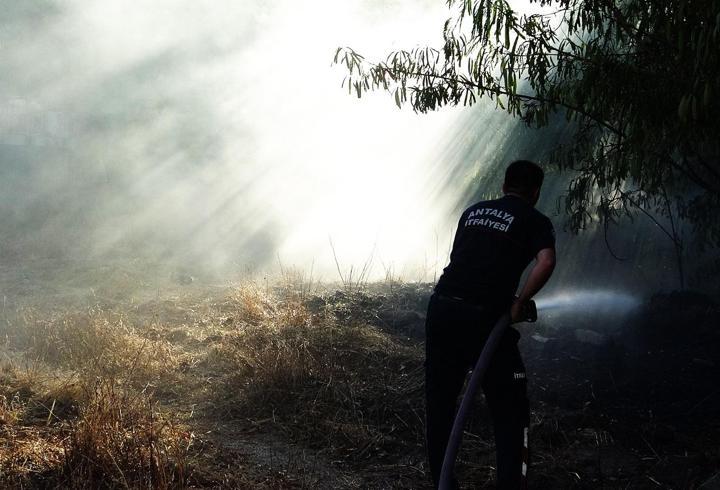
(637, 81)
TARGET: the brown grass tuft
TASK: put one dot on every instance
(254, 304)
(122, 440)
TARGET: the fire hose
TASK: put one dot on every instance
(491, 345)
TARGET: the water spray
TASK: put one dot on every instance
(478, 372)
(589, 300)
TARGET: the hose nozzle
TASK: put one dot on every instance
(529, 312)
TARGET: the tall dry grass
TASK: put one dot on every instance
(92, 342)
(57, 431)
(348, 388)
(76, 408)
(122, 440)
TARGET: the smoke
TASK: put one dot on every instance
(588, 302)
(217, 133)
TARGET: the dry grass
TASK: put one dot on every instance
(28, 455)
(94, 342)
(28, 444)
(75, 405)
(253, 304)
(351, 389)
(37, 393)
(122, 440)
(34, 403)
(59, 432)
(284, 360)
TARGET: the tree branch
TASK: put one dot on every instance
(498, 91)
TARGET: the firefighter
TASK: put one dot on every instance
(494, 243)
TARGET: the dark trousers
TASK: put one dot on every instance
(455, 335)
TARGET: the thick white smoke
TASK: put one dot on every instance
(218, 130)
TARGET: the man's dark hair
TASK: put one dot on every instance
(523, 177)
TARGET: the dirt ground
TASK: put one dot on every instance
(284, 383)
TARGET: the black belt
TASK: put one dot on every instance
(448, 297)
(488, 305)
(445, 296)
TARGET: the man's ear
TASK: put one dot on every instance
(504, 188)
(536, 195)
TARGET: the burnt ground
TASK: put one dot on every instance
(618, 401)
(637, 406)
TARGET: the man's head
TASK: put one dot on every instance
(524, 178)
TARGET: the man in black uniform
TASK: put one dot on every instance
(494, 243)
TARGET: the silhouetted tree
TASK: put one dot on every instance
(637, 81)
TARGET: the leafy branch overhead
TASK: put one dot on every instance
(636, 80)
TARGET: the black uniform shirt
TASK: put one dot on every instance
(495, 241)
